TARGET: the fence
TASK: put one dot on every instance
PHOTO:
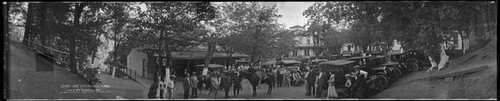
(132, 74)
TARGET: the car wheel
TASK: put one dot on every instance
(382, 82)
(413, 67)
(398, 73)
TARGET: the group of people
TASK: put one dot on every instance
(321, 83)
(318, 83)
(190, 85)
(165, 88)
(286, 77)
(216, 81)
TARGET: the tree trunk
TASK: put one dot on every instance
(28, 33)
(43, 25)
(169, 65)
(72, 45)
(485, 23)
(6, 44)
(210, 51)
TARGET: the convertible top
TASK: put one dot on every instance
(337, 62)
(318, 60)
(360, 57)
(284, 62)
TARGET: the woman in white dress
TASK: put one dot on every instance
(332, 92)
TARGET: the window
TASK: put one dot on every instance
(306, 52)
(308, 41)
(294, 53)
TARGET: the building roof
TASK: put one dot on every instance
(183, 55)
(394, 52)
(359, 57)
(296, 26)
(198, 53)
(336, 62)
(211, 65)
(284, 62)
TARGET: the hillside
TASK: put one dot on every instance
(471, 76)
(27, 81)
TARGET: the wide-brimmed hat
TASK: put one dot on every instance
(357, 67)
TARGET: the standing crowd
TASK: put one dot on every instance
(317, 83)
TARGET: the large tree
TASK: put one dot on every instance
(58, 27)
(419, 25)
(254, 26)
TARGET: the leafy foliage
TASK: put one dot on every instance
(419, 25)
(253, 27)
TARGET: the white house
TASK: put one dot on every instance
(305, 47)
(139, 62)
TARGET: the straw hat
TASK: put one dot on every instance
(357, 67)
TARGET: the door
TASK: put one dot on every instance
(144, 67)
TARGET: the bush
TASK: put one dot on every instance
(90, 74)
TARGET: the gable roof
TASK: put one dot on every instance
(296, 26)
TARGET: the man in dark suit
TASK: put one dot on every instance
(187, 86)
(322, 84)
(311, 79)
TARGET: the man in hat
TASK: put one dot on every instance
(359, 84)
(193, 83)
(187, 86)
(215, 80)
(311, 79)
(170, 87)
(237, 84)
(322, 84)
(360, 72)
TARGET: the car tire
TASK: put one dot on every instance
(381, 82)
(398, 73)
(413, 67)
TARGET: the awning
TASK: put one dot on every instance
(395, 52)
(269, 63)
(290, 61)
(211, 65)
(182, 55)
(319, 60)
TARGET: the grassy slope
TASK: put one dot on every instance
(479, 85)
(27, 83)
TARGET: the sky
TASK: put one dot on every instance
(291, 12)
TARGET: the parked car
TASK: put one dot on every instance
(416, 59)
(377, 75)
(397, 59)
(339, 68)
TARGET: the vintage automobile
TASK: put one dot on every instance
(285, 63)
(340, 68)
(417, 57)
(384, 67)
(316, 62)
(405, 67)
(378, 79)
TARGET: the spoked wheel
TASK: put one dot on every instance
(404, 68)
(414, 67)
(397, 73)
(381, 82)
